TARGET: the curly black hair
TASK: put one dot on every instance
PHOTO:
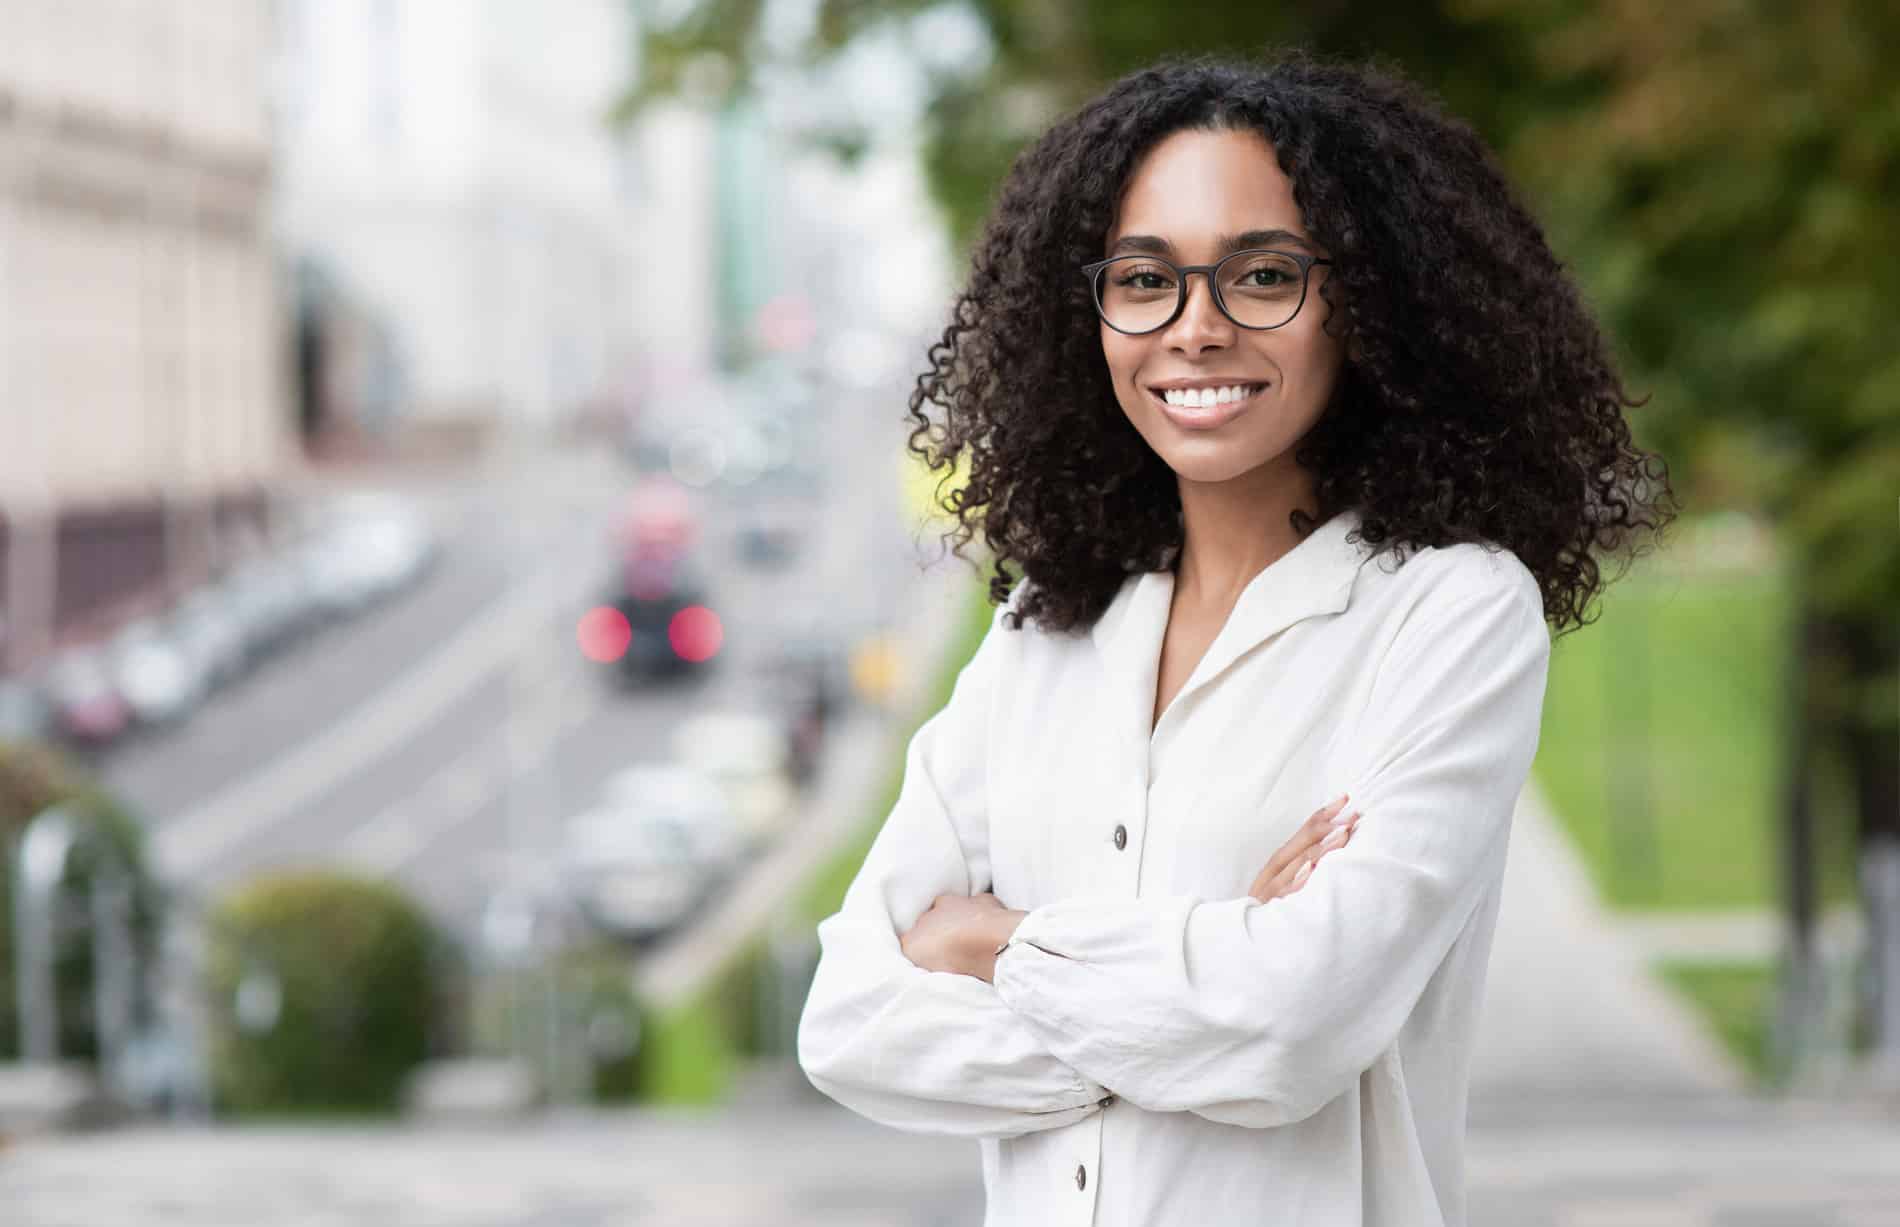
(1478, 402)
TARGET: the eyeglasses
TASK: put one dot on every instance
(1255, 289)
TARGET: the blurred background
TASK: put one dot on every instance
(463, 595)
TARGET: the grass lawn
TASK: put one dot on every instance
(1662, 746)
(1737, 1000)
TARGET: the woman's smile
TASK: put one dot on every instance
(1205, 407)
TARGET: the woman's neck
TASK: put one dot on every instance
(1232, 531)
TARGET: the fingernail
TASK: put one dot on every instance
(1342, 818)
(1335, 839)
(1301, 875)
(1338, 801)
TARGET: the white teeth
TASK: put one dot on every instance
(1200, 398)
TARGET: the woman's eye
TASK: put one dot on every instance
(1142, 281)
(1267, 272)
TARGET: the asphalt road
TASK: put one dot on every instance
(448, 733)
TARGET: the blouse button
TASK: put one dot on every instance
(1121, 837)
(1081, 1176)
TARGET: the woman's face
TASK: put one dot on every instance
(1186, 200)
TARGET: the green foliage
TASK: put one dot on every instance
(694, 1049)
(355, 967)
(1723, 177)
(1737, 1000)
(34, 778)
(1048, 57)
(1666, 711)
(690, 1056)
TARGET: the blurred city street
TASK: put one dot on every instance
(449, 732)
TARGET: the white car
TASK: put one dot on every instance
(749, 756)
(158, 678)
(677, 795)
(365, 547)
(660, 840)
(633, 879)
(210, 636)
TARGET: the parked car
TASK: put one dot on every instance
(365, 547)
(160, 681)
(681, 796)
(205, 630)
(270, 601)
(661, 838)
(634, 880)
(87, 709)
(750, 757)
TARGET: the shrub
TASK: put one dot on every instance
(324, 990)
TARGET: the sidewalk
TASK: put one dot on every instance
(1569, 1008)
(809, 1165)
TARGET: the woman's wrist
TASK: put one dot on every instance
(990, 937)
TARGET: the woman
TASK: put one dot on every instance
(1301, 440)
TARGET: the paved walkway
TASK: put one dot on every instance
(1569, 1007)
(1684, 1163)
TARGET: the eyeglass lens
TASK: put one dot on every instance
(1260, 289)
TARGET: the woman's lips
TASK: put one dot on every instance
(1205, 417)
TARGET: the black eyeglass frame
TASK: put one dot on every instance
(1306, 263)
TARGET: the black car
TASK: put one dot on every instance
(675, 633)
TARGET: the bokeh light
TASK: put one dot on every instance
(695, 633)
(697, 458)
(604, 634)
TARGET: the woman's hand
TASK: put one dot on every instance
(1329, 828)
(960, 934)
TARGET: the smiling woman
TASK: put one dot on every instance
(1437, 368)
(1185, 903)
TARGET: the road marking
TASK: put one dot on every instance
(187, 845)
(390, 841)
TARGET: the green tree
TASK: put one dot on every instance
(1724, 175)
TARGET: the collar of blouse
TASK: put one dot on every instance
(1313, 578)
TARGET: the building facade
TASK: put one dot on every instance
(143, 408)
(452, 185)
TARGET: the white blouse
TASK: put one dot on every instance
(1158, 1048)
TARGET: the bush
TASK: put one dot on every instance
(324, 988)
(34, 778)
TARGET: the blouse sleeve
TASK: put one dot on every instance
(926, 1051)
(1260, 1014)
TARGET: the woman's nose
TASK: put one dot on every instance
(1202, 325)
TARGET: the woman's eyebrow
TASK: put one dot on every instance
(1155, 245)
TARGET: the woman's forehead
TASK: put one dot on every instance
(1196, 188)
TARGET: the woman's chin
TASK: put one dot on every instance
(1209, 466)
